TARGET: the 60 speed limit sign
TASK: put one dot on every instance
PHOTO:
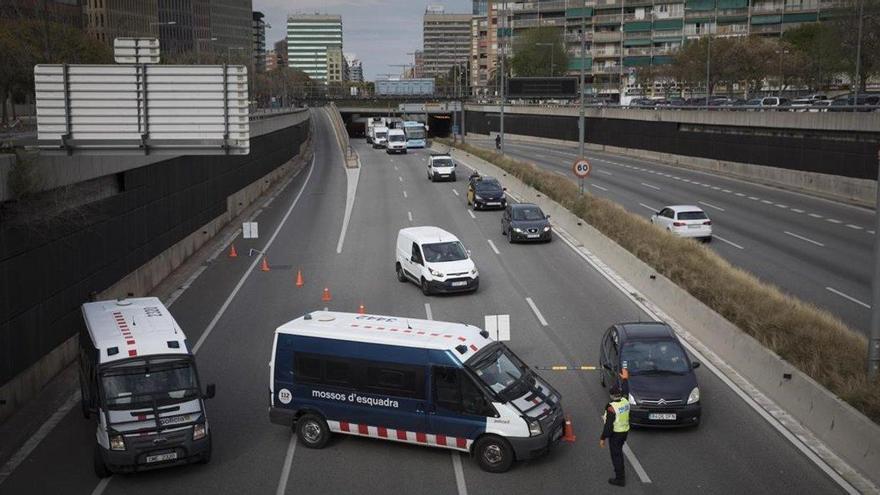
(581, 168)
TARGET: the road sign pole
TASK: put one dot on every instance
(581, 123)
(874, 339)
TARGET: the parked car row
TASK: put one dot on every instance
(866, 102)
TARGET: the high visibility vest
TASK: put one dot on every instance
(621, 415)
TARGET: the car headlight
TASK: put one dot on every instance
(475, 272)
(518, 230)
(695, 395)
(117, 442)
(200, 431)
(547, 229)
(478, 197)
(534, 427)
(632, 400)
(435, 272)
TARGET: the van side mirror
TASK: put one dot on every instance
(607, 367)
(548, 217)
(695, 364)
(210, 391)
(503, 188)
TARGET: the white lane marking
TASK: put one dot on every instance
(471, 214)
(833, 220)
(404, 195)
(716, 188)
(536, 311)
(25, 450)
(455, 192)
(728, 191)
(841, 294)
(651, 186)
(648, 207)
(102, 485)
(766, 202)
(409, 215)
(805, 239)
(599, 187)
(428, 312)
(492, 245)
(400, 178)
(716, 236)
(557, 172)
(710, 205)
(459, 473)
(352, 177)
(751, 398)
(856, 227)
(631, 457)
(740, 194)
(250, 269)
(871, 232)
(814, 215)
(754, 198)
(288, 460)
(604, 172)
(780, 205)
(395, 168)
(797, 210)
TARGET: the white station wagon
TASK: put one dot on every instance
(684, 221)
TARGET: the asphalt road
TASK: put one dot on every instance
(815, 249)
(733, 451)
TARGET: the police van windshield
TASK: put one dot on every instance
(646, 357)
(136, 384)
(499, 369)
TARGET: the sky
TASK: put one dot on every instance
(379, 32)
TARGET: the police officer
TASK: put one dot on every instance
(498, 141)
(616, 426)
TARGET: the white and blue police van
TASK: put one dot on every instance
(414, 381)
(138, 376)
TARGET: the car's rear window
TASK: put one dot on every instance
(691, 215)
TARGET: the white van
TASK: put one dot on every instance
(380, 136)
(138, 376)
(435, 260)
(396, 141)
(421, 382)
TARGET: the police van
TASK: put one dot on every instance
(414, 381)
(138, 376)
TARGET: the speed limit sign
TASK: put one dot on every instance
(581, 168)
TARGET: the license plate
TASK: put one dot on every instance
(493, 203)
(173, 420)
(694, 226)
(533, 236)
(662, 416)
(459, 284)
(162, 457)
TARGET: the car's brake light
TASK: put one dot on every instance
(678, 224)
(707, 222)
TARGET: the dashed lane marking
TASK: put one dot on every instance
(727, 242)
(854, 227)
(833, 220)
(603, 172)
(536, 311)
(811, 241)
(455, 192)
(404, 195)
(471, 214)
(409, 215)
(845, 296)
(797, 210)
(651, 186)
(710, 205)
(643, 205)
(815, 215)
(492, 245)
(599, 187)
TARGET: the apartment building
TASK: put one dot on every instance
(309, 39)
(446, 41)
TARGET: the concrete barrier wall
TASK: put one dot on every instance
(850, 434)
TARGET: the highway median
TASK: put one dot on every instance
(809, 338)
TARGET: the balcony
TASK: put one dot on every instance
(632, 17)
(638, 51)
(764, 29)
(762, 8)
(605, 36)
(605, 53)
(733, 30)
(576, 37)
(607, 19)
(538, 6)
(802, 7)
(636, 35)
(604, 4)
(733, 12)
(668, 34)
(606, 69)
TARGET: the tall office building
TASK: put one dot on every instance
(281, 52)
(446, 41)
(271, 61)
(481, 7)
(258, 26)
(68, 12)
(355, 68)
(418, 64)
(335, 64)
(309, 37)
(181, 24)
(109, 19)
(231, 24)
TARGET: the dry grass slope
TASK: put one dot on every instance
(810, 338)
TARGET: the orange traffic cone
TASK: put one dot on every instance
(264, 266)
(299, 278)
(325, 297)
(232, 252)
(361, 309)
(568, 431)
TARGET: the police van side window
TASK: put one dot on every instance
(454, 391)
(308, 368)
(396, 380)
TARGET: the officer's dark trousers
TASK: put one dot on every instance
(615, 446)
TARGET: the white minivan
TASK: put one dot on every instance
(435, 260)
(380, 136)
(396, 141)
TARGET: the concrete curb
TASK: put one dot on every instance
(803, 406)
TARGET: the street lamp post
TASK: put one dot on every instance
(501, 45)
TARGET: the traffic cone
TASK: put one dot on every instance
(232, 252)
(568, 431)
(299, 278)
(361, 309)
(264, 266)
(325, 297)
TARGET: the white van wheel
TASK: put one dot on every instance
(401, 277)
(312, 431)
(494, 454)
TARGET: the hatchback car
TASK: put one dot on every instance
(485, 192)
(525, 222)
(684, 221)
(663, 387)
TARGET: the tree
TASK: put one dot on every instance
(753, 59)
(846, 33)
(820, 53)
(540, 52)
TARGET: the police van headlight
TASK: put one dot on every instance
(695, 395)
(534, 427)
(200, 431)
(117, 442)
(632, 400)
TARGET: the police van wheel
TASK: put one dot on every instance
(206, 455)
(312, 431)
(101, 469)
(494, 454)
